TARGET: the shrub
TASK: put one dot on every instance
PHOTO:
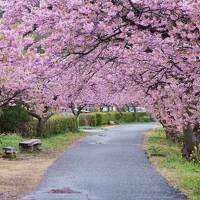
(61, 124)
(72, 124)
(29, 128)
(102, 118)
(16, 119)
(117, 117)
(128, 117)
(55, 125)
(87, 119)
(143, 117)
(114, 116)
(13, 119)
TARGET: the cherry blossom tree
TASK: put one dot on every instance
(151, 47)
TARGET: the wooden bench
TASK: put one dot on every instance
(9, 152)
(30, 145)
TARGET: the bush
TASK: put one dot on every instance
(29, 128)
(143, 117)
(102, 118)
(72, 124)
(114, 116)
(13, 119)
(88, 119)
(117, 117)
(55, 126)
(128, 117)
(61, 124)
(16, 119)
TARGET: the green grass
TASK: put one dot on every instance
(10, 140)
(60, 141)
(166, 156)
(53, 143)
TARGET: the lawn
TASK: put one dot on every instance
(166, 157)
(59, 141)
(48, 144)
(10, 140)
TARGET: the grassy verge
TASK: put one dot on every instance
(53, 143)
(167, 159)
(10, 140)
(17, 177)
(61, 141)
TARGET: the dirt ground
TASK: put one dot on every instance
(19, 177)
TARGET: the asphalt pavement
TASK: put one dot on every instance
(109, 165)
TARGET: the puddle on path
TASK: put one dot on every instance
(102, 135)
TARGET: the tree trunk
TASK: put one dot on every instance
(41, 127)
(135, 112)
(189, 142)
(78, 121)
(119, 111)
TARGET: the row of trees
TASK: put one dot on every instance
(56, 54)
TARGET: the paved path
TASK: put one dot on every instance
(110, 165)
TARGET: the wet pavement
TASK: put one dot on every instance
(110, 165)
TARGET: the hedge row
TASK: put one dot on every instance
(100, 119)
(55, 125)
(88, 119)
(16, 119)
(61, 124)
